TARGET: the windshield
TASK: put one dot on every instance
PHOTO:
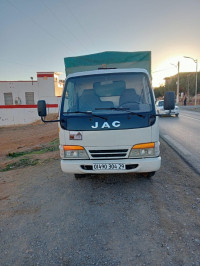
(114, 92)
(161, 103)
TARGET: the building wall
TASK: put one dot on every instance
(18, 89)
(17, 115)
(46, 87)
(21, 113)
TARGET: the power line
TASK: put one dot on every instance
(81, 26)
(62, 24)
(39, 25)
(16, 63)
(161, 70)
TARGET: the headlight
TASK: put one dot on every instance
(73, 152)
(150, 149)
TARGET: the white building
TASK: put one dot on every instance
(18, 99)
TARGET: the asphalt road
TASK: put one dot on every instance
(49, 218)
(183, 134)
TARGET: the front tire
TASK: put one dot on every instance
(148, 175)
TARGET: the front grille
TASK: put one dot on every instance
(98, 154)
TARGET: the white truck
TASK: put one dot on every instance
(107, 116)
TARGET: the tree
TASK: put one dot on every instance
(159, 92)
(186, 82)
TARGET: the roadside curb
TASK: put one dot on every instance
(192, 108)
(182, 152)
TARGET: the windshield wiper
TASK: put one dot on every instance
(113, 108)
(87, 113)
(127, 110)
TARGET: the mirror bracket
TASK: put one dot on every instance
(49, 121)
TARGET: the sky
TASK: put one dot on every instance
(37, 35)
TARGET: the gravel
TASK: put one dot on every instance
(49, 218)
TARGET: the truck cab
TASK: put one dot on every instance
(108, 123)
(107, 116)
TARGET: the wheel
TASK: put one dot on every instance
(148, 174)
(177, 115)
(79, 176)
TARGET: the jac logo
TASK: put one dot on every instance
(106, 124)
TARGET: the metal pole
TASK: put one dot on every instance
(195, 100)
(177, 96)
(188, 89)
(31, 79)
(196, 61)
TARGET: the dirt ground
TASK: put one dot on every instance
(50, 218)
(26, 138)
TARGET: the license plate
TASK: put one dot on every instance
(109, 166)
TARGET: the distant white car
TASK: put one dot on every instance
(160, 109)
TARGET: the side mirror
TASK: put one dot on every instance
(41, 107)
(169, 100)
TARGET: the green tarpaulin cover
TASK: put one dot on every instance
(109, 60)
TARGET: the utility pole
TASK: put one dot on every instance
(188, 87)
(195, 100)
(196, 62)
(178, 84)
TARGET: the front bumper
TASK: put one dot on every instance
(132, 166)
(166, 112)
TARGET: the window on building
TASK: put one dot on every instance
(29, 97)
(8, 98)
